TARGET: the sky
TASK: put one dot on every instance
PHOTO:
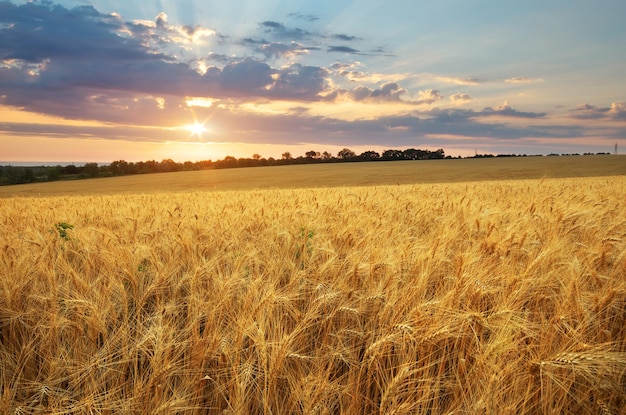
(105, 80)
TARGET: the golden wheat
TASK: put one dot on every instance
(491, 297)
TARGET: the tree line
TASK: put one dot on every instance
(32, 174)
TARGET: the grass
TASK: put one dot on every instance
(486, 297)
(332, 175)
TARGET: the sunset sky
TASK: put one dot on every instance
(103, 80)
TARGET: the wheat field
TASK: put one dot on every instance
(503, 297)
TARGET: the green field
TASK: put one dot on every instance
(339, 174)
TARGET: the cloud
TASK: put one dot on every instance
(282, 50)
(345, 38)
(50, 65)
(245, 77)
(458, 81)
(455, 115)
(254, 42)
(280, 31)
(125, 133)
(306, 17)
(460, 98)
(387, 92)
(589, 112)
(506, 110)
(65, 34)
(298, 126)
(352, 72)
(348, 70)
(300, 82)
(523, 80)
(385, 130)
(344, 49)
(617, 111)
(429, 96)
(352, 51)
(143, 72)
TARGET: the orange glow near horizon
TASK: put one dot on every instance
(17, 115)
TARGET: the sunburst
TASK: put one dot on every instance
(196, 129)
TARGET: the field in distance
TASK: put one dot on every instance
(339, 174)
(491, 297)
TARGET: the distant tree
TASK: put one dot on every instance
(312, 154)
(53, 173)
(346, 154)
(71, 169)
(227, 163)
(150, 166)
(169, 165)
(438, 154)
(119, 168)
(326, 155)
(205, 164)
(18, 174)
(369, 156)
(287, 156)
(91, 169)
(392, 155)
(256, 156)
(413, 154)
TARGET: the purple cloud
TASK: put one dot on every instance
(459, 98)
(617, 111)
(506, 110)
(34, 32)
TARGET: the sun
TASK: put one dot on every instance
(196, 129)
